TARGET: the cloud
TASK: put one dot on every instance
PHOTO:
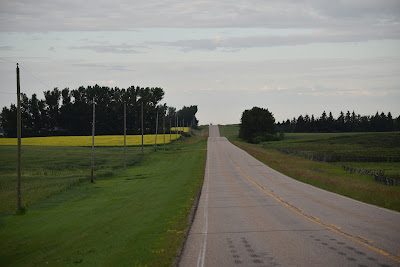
(318, 36)
(104, 67)
(101, 15)
(267, 88)
(345, 92)
(325, 91)
(116, 49)
(6, 48)
(110, 82)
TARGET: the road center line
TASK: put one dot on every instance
(313, 219)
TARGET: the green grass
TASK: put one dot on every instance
(229, 131)
(325, 175)
(135, 218)
(49, 170)
(386, 145)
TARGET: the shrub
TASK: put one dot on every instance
(264, 138)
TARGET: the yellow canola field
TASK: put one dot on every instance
(101, 140)
(185, 129)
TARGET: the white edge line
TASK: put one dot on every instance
(202, 252)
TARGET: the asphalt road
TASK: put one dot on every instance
(251, 215)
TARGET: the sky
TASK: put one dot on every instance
(226, 56)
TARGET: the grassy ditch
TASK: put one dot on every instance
(326, 175)
(136, 217)
(48, 170)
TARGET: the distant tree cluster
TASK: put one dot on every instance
(186, 115)
(257, 125)
(349, 122)
(69, 112)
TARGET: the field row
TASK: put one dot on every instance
(102, 140)
(181, 129)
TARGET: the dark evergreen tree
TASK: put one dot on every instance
(351, 122)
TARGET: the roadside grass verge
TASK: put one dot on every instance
(323, 175)
(48, 170)
(137, 218)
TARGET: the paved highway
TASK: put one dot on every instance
(251, 215)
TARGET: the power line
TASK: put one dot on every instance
(34, 76)
(7, 60)
(7, 93)
(30, 72)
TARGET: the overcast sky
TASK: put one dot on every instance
(292, 57)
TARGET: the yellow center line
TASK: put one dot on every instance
(365, 239)
(334, 228)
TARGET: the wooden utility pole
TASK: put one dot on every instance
(163, 127)
(124, 136)
(155, 142)
(19, 140)
(183, 129)
(170, 132)
(142, 130)
(176, 127)
(93, 125)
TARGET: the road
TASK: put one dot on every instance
(252, 215)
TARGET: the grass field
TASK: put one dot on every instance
(101, 140)
(135, 217)
(328, 176)
(384, 145)
(49, 170)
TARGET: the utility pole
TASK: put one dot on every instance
(170, 132)
(125, 136)
(19, 140)
(176, 127)
(179, 130)
(93, 125)
(155, 142)
(142, 129)
(183, 129)
(163, 122)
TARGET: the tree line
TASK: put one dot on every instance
(349, 122)
(69, 112)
